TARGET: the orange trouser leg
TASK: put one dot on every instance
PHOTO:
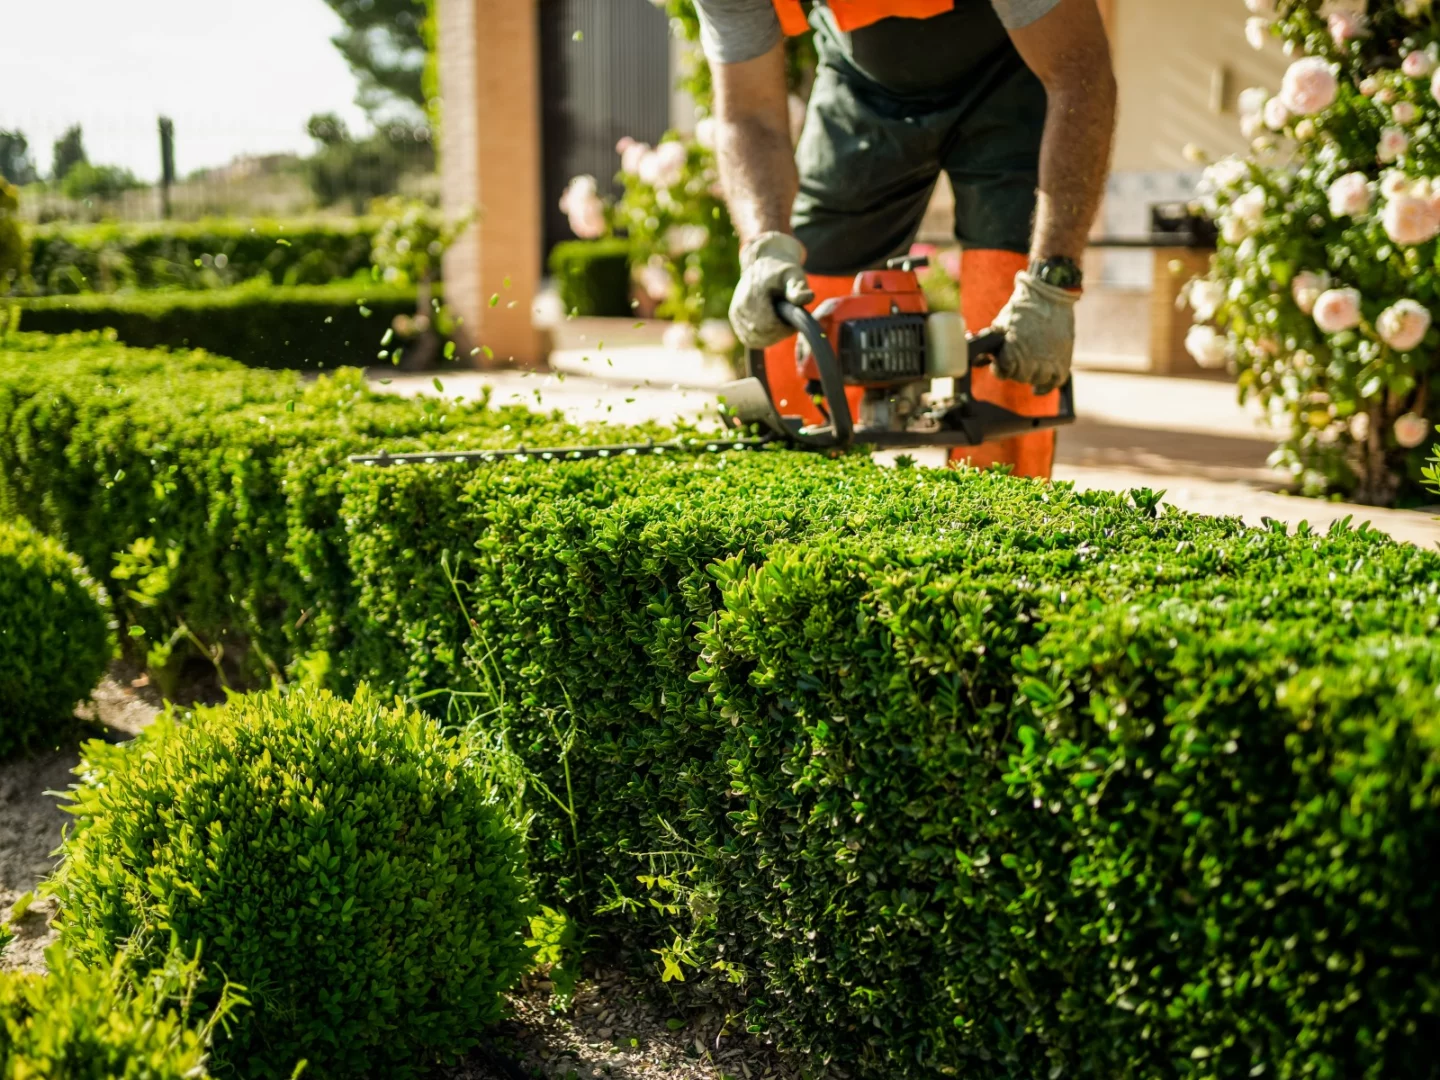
(786, 386)
(986, 281)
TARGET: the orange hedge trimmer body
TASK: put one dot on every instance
(912, 366)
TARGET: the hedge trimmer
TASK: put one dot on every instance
(912, 366)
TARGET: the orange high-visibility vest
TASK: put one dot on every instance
(854, 14)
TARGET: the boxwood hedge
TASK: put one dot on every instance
(339, 859)
(55, 638)
(935, 772)
(69, 258)
(319, 326)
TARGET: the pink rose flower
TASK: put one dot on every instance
(1275, 114)
(1256, 31)
(582, 205)
(1346, 26)
(1410, 220)
(1404, 324)
(1207, 346)
(1411, 430)
(1393, 144)
(1350, 196)
(1337, 310)
(1369, 86)
(1394, 184)
(1307, 287)
(1309, 86)
(632, 153)
(1404, 113)
(1418, 65)
(655, 279)
(670, 159)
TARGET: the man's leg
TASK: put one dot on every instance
(993, 162)
(986, 279)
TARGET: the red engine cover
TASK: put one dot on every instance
(877, 293)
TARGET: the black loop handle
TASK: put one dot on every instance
(986, 347)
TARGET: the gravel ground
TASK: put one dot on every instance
(616, 1029)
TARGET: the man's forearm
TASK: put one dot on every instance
(757, 170)
(1074, 162)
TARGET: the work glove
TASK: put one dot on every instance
(771, 270)
(1039, 328)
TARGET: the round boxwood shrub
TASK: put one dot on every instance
(343, 861)
(54, 634)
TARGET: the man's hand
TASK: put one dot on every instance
(1039, 328)
(771, 270)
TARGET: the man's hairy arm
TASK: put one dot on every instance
(1068, 50)
(756, 158)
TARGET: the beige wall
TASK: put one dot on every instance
(490, 165)
(1175, 61)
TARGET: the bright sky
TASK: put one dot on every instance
(236, 76)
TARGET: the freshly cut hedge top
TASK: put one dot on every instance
(217, 253)
(935, 772)
(54, 635)
(341, 861)
(77, 1023)
(319, 326)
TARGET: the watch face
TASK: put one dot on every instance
(1061, 272)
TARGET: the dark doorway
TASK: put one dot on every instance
(604, 74)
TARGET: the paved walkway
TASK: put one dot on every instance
(1188, 437)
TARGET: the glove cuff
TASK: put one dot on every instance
(772, 245)
(1028, 281)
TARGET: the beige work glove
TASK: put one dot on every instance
(771, 270)
(1039, 328)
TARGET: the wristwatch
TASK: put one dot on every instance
(1058, 271)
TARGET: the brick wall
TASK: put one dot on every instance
(490, 164)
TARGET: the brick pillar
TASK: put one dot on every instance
(490, 165)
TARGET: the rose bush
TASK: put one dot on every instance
(1327, 277)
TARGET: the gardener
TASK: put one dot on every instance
(1004, 95)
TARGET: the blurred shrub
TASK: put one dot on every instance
(87, 181)
(319, 326)
(198, 255)
(54, 635)
(593, 276)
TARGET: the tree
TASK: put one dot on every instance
(384, 44)
(86, 181)
(15, 163)
(69, 152)
(345, 169)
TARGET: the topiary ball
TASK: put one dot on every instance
(343, 861)
(54, 635)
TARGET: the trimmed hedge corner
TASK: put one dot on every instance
(75, 1023)
(321, 326)
(211, 254)
(54, 635)
(928, 772)
(340, 860)
(593, 276)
